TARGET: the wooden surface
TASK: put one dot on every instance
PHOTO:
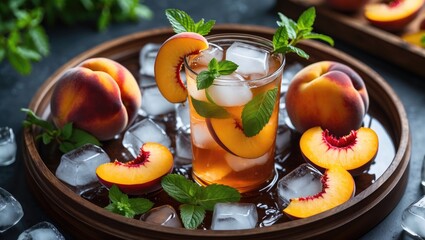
(346, 221)
(356, 30)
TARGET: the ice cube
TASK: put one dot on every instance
(303, 181)
(146, 81)
(251, 60)
(413, 219)
(232, 216)
(231, 94)
(164, 215)
(214, 51)
(423, 175)
(153, 103)
(7, 146)
(239, 164)
(41, 231)
(288, 74)
(183, 117)
(142, 132)
(283, 139)
(201, 136)
(10, 210)
(78, 167)
(147, 58)
(183, 148)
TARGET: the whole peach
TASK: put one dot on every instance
(99, 96)
(327, 94)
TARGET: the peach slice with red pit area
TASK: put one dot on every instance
(393, 16)
(337, 187)
(353, 152)
(169, 60)
(141, 175)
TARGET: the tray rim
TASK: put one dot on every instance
(403, 146)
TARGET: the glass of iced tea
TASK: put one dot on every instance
(223, 152)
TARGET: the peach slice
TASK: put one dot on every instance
(229, 134)
(415, 38)
(393, 16)
(169, 61)
(337, 187)
(354, 152)
(141, 175)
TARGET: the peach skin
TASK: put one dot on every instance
(327, 94)
(99, 96)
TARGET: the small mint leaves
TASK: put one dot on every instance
(215, 70)
(182, 22)
(289, 33)
(125, 206)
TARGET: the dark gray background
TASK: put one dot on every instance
(66, 42)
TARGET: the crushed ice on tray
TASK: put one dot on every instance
(10, 210)
(251, 60)
(78, 167)
(182, 117)
(164, 215)
(142, 132)
(153, 103)
(303, 181)
(413, 219)
(183, 149)
(232, 216)
(41, 231)
(147, 58)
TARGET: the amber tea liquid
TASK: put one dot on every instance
(222, 153)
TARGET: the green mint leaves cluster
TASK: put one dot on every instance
(215, 70)
(182, 22)
(68, 137)
(289, 33)
(128, 207)
(196, 200)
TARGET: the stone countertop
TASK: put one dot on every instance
(16, 92)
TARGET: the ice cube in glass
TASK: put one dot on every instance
(213, 51)
(147, 58)
(7, 146)
(78, 167)
(10, 210)
(41, 231)
(251, 60)
(232, 216)
(303, 181)
(413, 219)
(153, 103)
(236, 91)
(142, 132)
(164, 215)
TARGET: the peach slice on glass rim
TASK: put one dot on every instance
(141, 175)
(337, 187)
(169, 61)
(353, 152)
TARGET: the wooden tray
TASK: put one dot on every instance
(355, 30)
(86, 220)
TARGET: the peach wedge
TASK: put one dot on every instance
(337, 187)
(169, 61)
(354, 152)
(141, 175)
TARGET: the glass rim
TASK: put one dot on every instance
(247, 38)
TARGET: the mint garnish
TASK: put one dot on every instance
(289, 33)
(196, 199)
(257, 112)
(423, 41)
(209, 109)
(215, 70)
(125, 206)
(182, 22)
(67, 137)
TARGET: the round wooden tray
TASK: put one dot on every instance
(86, 220)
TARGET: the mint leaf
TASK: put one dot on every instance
(181, 22)
(215, 70)
(80, 137)
(114, 194)
(209, 110)
(140, 205)
(66, 131)
(180, 188)
(423, 41)
(322, 37)
(191, 215)
(307, 18)
(215, 193)
(257, 112)
(125, 206)
(280, 39)
(289, 24)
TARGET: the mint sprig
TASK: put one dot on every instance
(289, 33)
(215, 69)
(68, 137)
(125, 206)
(209, 109)
(182, 22)
(257, 112)
(196, 200)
